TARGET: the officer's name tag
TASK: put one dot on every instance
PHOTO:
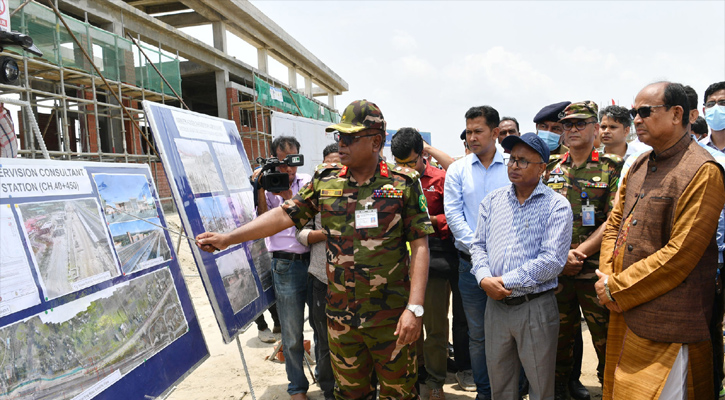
(366, 219)
(587, 215)
(331, 192)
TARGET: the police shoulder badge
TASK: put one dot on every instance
(422, 203)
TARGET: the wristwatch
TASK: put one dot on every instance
(416, 309)
(606, 289)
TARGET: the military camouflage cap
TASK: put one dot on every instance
(358, 116)
(581, 110)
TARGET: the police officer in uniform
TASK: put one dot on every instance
(550, 130)
(369, 210)
(589, 180)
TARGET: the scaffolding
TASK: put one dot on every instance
(72, 93)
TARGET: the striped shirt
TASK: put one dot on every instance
(8, 140)
(526, 244)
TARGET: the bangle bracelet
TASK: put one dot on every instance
(606, 290)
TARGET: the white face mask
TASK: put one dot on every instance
(715, 117)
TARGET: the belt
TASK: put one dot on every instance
(290, 256)
(515, 301)
(465, 256)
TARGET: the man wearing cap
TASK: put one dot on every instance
(369, 210)
(589, 181)
(549, 130)
(521, 244)
(468, 181)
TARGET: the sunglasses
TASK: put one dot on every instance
(348, 140)
(409, 164)
(644, 111)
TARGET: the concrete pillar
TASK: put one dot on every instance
(222, 77)
(262, 60)
(292, 77)
(331, 100)
(308, 86)
(219, 31)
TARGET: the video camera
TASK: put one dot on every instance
(9, 70)
(277, 181)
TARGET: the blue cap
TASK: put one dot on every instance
(551, 112)
(532, 140)
(463, 135)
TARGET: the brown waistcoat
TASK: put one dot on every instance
(656, 184)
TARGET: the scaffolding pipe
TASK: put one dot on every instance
(108, 85)
(33, 122)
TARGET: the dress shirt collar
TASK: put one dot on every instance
(497, 158)
(707, 141)
(540, 189)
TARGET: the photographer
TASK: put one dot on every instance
(290, 261)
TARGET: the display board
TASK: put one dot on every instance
(309, 132)
(92, 300)
(208, 172)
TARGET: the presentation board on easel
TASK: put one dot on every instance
(93, 304)
(208, 171)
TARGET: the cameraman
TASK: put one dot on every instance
(290, 261)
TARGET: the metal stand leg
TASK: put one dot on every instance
(246, 371)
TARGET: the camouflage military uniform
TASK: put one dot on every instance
(368, 273)
(555, 156)
(599, 179)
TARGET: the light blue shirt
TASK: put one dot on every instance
(719, 156)
(467, 183)
(525, 244)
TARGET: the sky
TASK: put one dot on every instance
(424, 63)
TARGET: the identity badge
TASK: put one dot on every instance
(366, 218)
(587, 215)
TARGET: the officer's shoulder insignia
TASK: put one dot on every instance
(612, 157)
(423, 203)
(325, 166)
(557, 171)
(408, 172)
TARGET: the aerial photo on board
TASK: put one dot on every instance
(238, 279)
(243, 204)
(60, 354)
(262, 263)
(140, 244)
(216, 216)
(17, 286)
(232, 166)
(70, 244)
(199, 166)
(125, 197)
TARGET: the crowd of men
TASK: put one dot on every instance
(524, 235)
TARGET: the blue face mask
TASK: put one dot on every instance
(551, 139)
(715, 117)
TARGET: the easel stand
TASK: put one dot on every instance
(246, 370)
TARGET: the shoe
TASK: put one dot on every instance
(276, 329)
(437, 394)
(465, 380)
(299, 396)
(451, 366)
(561, 391)
(266, 336)
(578, 391)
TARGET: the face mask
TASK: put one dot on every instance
(551, 139)
(715, 117)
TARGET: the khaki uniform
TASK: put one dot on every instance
(592, 184)
(368, 272)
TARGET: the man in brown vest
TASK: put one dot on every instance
(658, 256)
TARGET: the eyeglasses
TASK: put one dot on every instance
(348, 140)
(523, 164)
(711, 104)
(580, 125)
(409, 164)
(644, 111)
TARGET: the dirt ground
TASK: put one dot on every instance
(222, 376)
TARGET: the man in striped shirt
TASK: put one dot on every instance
(520, 246)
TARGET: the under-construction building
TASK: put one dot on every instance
(102, 58)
